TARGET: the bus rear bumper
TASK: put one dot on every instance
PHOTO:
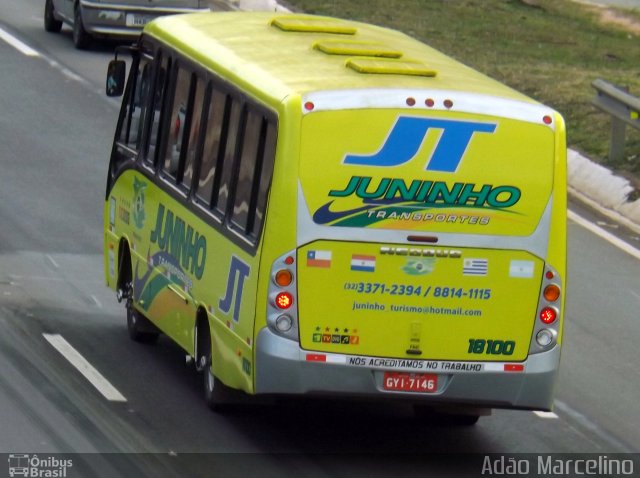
(282, 367)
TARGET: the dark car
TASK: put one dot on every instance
(111, 19)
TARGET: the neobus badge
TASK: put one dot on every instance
(406, 251)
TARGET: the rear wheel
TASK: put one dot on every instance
(139, 327)
(81, 39)
(217, 395)
(50, 22)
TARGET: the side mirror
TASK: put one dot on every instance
(116, 77)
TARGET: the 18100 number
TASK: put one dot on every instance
(491, 347)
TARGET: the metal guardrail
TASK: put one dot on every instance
(624, 109)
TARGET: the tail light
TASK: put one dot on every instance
(282, 314)
(547, 324)
(283, 300)
(548, 315)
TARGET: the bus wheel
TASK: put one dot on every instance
(139, 327)
(50, 22)
(217, 395)
(81, 39)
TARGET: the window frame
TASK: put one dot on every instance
(221, 219)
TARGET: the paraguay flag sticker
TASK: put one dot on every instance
(363, 263)
(319, 259)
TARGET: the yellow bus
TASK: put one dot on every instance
(315, 206)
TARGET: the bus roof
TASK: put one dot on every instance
(276, 55)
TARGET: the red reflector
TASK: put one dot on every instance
(288, 260)
(547, 120)
(411, 101)
(284, 300)
(448, 104)
(513, 367)
(548, 315)
(316, 358)
(429, 102)
(549, 275)
(309, 106)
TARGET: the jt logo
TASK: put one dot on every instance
(238, 273)
(407, 135)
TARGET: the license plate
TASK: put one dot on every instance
(134, 20)
(410, 382)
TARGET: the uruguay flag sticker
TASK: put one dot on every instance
(363, 263)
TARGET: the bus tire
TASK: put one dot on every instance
(139, 328)
(217, 395)
(81, 39)
(51, 24)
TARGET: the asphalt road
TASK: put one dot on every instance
(55, 130)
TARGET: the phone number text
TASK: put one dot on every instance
(419, 291)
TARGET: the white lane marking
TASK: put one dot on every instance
(84, 367)
(598, 231)
(545, 414)
(27, 50)
(17, 44)
(593, 427)
(96, 301)
(53, 262)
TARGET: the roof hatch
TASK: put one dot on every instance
(353, 48)
(390, 67)
(313, 25)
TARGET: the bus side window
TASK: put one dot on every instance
(250, 165)
(221, 196)
(177, 122)
(254, 175)
(212, 152)
(263, 182)
(195, 115)
(134, 104)
(132, 126)
(162, 79)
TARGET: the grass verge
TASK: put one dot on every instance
(550, 50)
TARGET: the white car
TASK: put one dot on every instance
(113, 19)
